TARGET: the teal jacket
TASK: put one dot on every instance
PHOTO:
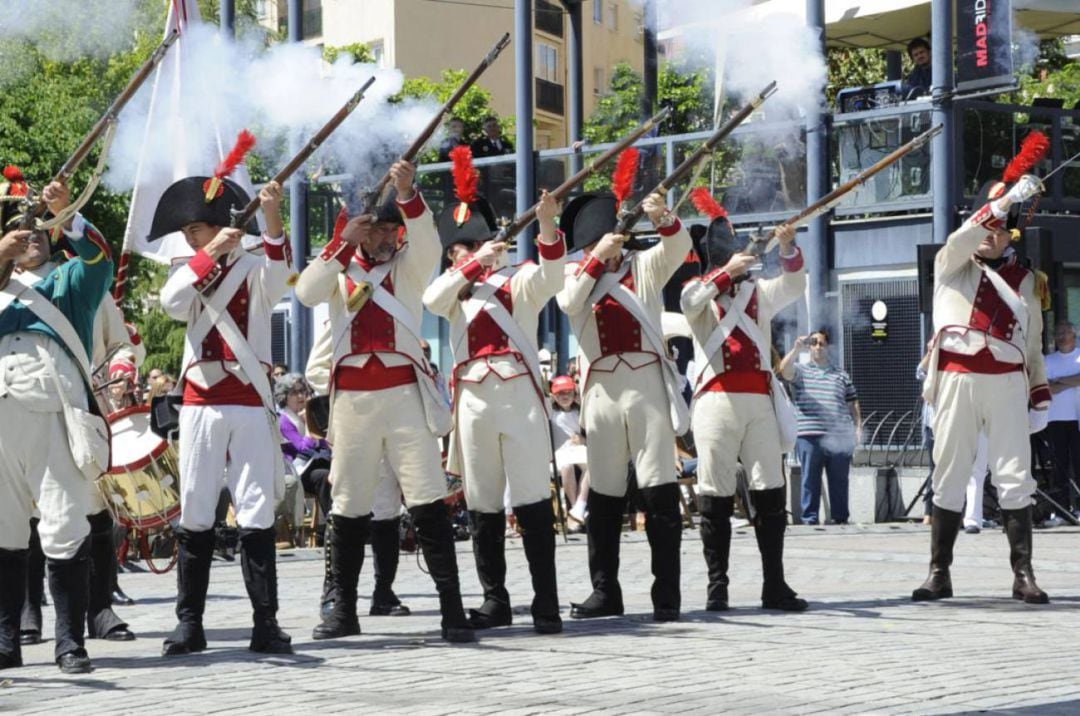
(76, 287)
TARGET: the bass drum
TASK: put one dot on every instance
(142, 486)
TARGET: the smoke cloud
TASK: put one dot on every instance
(283, 94)
(66, 30)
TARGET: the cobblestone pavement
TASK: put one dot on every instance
(863, 646)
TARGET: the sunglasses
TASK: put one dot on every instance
(815, 342)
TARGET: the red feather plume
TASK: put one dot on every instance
(622, 181)
(704, 202)
(244, 142)
(14, 174)
(466, 178)
(1032, 151)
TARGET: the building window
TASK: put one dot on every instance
(547, 62)
(599, 80)
(312, 18)
(612, 15)
(598, 11)
(378, 52)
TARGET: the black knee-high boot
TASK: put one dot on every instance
(716, 514)
(604, 528)
(944, 526)
(12, 594)
(769, 527)
(1018, 530)
(488, 530)
(192, 583)
(537, 521)
(69, 583)
(663, 526)
(101, 621)
(30, 630)
(326, 603)
(258, 561)
(436, 538)
(385, 554)
(346, 542)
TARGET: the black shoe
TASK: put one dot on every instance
(458, 635)
(790, 603)
(118, 597)
(389, 610)
(29, 637)
(944, 526)
(547, 625)
(604, 528)
(435, 536)
(665, 615)
(186, 638)
(10, 661)
(663, 526)
(596, 606)
(491, 615)
(326, 609)
(75, 662)
(268, 638)
(717, 605)
(537, 523)
(338, 625)
(346, 536)
(489, 548)
(120, 634)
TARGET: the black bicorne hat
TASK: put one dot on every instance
(587, 218)
(720, 243)
(185, 203)
(461, 223)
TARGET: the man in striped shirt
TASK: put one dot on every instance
(829, 420)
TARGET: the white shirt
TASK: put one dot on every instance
(567, 423)
(1062, 365)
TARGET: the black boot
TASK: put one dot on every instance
(101, 621)
(944, 526)
(436, 538)
(258, 561)
(488, 530)
(385, 551)
(604, 528)
(1018, 530)
(347, 541)
(69, 583)
(663, 526)
(12, 595)
(30, 629)
(769, 527)
(716, 544)
(537, 522)
(192, 583)
(326, 604)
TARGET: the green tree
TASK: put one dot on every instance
(359, 51)
(472, 108)
(853, 67)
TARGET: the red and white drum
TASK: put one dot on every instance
(141, 488)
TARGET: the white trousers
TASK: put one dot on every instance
(995, 405)
(35, 462)
(387, 504)
(227, 446)
(625, 414)
(734, 427)
(369, 425)
(505, 441)
(973, 508)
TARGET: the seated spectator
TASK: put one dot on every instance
(1063, 428)
(455, 137)
(827, 408)
(123, 381)
(309, 457)
(280, 369)
(918, 80)
(566, 430)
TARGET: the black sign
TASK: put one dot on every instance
(983, 44)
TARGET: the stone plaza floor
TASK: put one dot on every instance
(863, 647)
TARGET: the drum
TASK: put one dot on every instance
(141, 488)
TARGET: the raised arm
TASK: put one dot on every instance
(537, 285)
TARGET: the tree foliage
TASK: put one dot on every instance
(853, 67)
(360, 52)
(472, 108)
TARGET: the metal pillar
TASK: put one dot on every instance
(523, 105)
(575, 131)
(943, 147)
(817, 185)
(894, 65)
(300, 335)
(650, 18)
(228, 17)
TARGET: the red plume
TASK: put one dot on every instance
(14, 175)
(466, 178)
(622, 181)
(705, 203)
(1032, 151)
(244, 142)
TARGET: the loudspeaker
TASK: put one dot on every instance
(926, 255)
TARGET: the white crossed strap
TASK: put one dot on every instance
(483, 300)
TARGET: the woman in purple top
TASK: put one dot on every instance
(310, 456)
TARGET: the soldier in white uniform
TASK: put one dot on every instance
(228, 427)
(384, 402)
(631, 400)
(501, 433)
(733, 415)
(985, 371)
(46, 326)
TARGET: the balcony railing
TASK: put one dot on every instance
(550, 96)
(549, 18)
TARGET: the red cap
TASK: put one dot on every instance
(122, 366)
(563, 384)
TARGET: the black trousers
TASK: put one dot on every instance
(1064, 436)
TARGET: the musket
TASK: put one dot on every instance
(629, 218)
(371, 198)
(560, 192)
(761, 244)
(242, 217)
(38, 209)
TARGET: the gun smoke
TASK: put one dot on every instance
(67, 30)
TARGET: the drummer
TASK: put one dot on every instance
(227, 421)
